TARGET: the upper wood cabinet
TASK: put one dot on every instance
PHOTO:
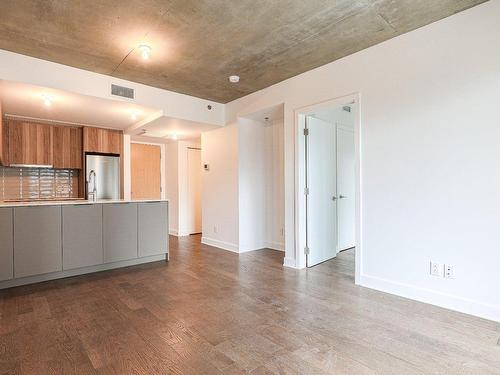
(4, 141)
(68, 147)
(29, 143)
(105, 141)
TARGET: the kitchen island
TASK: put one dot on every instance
(42, 241)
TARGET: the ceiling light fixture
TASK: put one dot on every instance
(234, 79)
(145, 51)
(47, 100)
(134, 114)
(174, 136)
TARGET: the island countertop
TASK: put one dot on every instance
(75, 202)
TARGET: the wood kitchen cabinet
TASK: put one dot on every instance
(6, 244)
(68, 147)
(29, 143)
(101, 140)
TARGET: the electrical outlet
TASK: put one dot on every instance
(449, 271)
(215, 229)
(435, 269)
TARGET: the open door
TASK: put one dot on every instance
(321, 191)
(346, 159)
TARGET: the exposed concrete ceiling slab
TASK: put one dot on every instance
(198, 44)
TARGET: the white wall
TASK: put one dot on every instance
(429, 156)
(183, 180)
(219, 148)
(252, 178)
(275, 188)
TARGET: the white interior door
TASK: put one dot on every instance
(346, 188)
(321, 197)
(194, 190)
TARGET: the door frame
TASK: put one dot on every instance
(300, 201)
(163, 193)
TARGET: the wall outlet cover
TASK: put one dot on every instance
(436, 269)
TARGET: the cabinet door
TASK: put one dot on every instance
(6, 244)
(67, 152)
(4, 141)
(37, 240)
(102, 140)
(82, 236)
(152, 228)
(30, 143)
(119, 231)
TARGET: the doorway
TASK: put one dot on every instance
(145, 164)
(329, 180)
(194, 190)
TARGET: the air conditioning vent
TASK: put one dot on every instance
(124, 92)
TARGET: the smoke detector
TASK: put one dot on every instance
(234, 79)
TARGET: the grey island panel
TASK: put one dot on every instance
(82, 236)
(152, 228)
(119, 231)
(6, 244)
(37, 240)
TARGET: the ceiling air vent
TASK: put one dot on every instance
(124, 92)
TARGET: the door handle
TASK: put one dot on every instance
(342, 196)
(334, 198)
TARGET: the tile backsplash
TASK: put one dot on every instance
(38, 183)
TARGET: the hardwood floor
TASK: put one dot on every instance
(209, 311)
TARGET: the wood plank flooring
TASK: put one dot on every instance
(209, 311)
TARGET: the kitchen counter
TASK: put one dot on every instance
(75, 202)
(46, 240)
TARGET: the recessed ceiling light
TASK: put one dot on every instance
(145, 51)
(134, 114)
(234, 79)
(47, 100)
(174, 136)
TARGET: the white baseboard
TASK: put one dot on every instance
(173, 232)
(432, 297)
(280, 246)
(220, 244)
(290, 263)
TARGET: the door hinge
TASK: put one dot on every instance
(306, 191)
(306, 131)
(306, 250)
(161, 189)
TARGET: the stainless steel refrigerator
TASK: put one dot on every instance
(102, 177)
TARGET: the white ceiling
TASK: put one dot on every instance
(19, 99)
(27, 101)
(165, 127)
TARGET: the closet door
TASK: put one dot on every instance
(322, 191)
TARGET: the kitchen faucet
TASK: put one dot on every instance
(92, 193)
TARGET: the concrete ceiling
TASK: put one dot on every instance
(197, 44)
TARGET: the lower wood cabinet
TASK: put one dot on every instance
(37, 240)
(82, 236)
(6, 244)
(152, 228)
(119, 231)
